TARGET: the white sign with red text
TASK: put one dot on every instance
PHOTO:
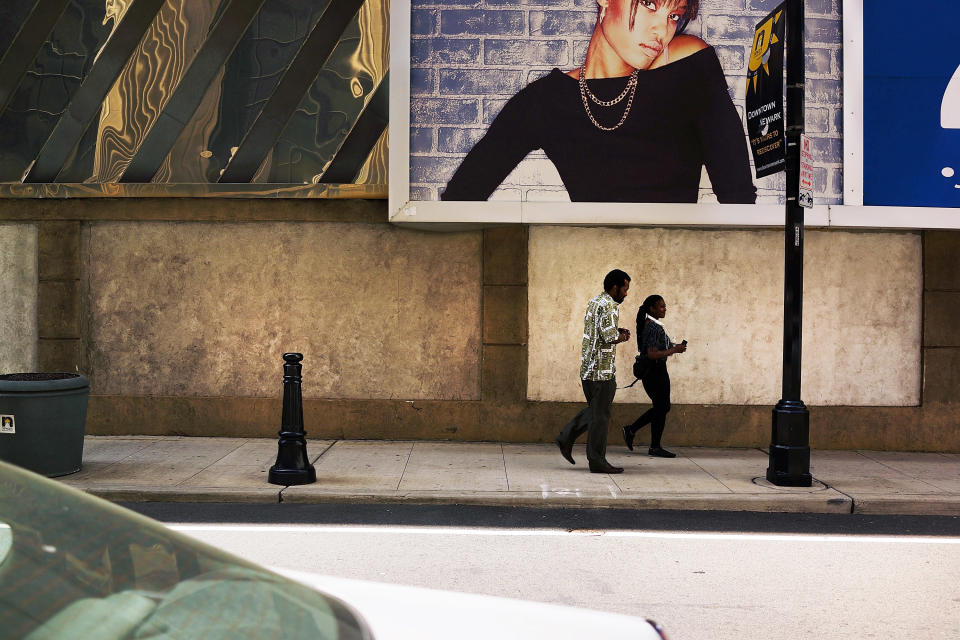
(806, 173)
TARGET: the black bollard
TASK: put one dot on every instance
(292, 466)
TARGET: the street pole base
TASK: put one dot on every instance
(292, 465)
(782, 479)
(790, 445)
(290, 477)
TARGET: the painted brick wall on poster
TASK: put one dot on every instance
(469, 58)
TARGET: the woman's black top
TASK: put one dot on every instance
(682, 118)
(653, 335)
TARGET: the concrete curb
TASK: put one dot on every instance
(915, 505)
(153, 494)
(816, 502)
(828, 501)
(821, 502)
(689, 502)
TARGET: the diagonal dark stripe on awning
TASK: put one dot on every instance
(362, 138)
(25, 46)
(176, 114)
(298, 78)
(88, 99)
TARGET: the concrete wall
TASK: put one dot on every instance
(179, 310)
(18, 297)
(863, 293)
(201, 309)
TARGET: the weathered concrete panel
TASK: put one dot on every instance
(504, 315)
(941, 380)
(504, 373)
(58, 246)
(199, 309)
(60, 355)
(941, 309)
(58, 309)
(18, 291)
(941, 249)
(505, 255)
(928, 428)
(724, 292)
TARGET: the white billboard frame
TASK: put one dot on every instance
(851, 214)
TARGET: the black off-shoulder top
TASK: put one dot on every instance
(682, 118)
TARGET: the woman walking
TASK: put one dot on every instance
(636, 122)
(656, 346)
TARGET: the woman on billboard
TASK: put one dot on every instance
(648, 108)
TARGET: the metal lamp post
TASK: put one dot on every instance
(292, 466)
(790, 439)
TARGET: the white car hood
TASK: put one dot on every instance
(395, 612)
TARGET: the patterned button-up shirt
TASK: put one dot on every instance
(599, 348)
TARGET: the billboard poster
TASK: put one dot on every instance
(911, 109)
(608, 101)
(764, 102)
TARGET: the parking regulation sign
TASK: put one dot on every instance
(806, 173)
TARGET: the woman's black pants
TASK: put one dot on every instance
(657, 385)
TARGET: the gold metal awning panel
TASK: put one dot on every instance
(148, 95)
(191, 190)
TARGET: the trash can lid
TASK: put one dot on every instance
(42, 381)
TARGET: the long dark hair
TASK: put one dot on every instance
(644, 310)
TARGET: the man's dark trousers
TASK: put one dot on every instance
(595, 418)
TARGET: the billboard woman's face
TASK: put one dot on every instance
(640, 40)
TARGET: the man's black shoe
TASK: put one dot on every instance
(658, 452)
(566, 450)
(605, 467)
(628, 436)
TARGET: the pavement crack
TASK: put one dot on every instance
(853, 501)
(721, 482)
(327, 448)
(503, 459)
(405, 463)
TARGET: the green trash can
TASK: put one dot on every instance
(42, 421)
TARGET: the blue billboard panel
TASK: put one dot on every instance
(911, 107)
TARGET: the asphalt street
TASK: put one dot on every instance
(516, 517)
(701, 574)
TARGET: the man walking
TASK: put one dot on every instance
(598, 373)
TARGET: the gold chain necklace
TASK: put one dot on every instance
(585, 93)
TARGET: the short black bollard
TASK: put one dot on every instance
(292, 466)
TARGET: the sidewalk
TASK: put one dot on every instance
(180, 469)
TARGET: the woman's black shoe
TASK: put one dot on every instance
(659, 452)
(566, 450)
(628, 436)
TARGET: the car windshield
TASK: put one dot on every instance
(76, 566)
